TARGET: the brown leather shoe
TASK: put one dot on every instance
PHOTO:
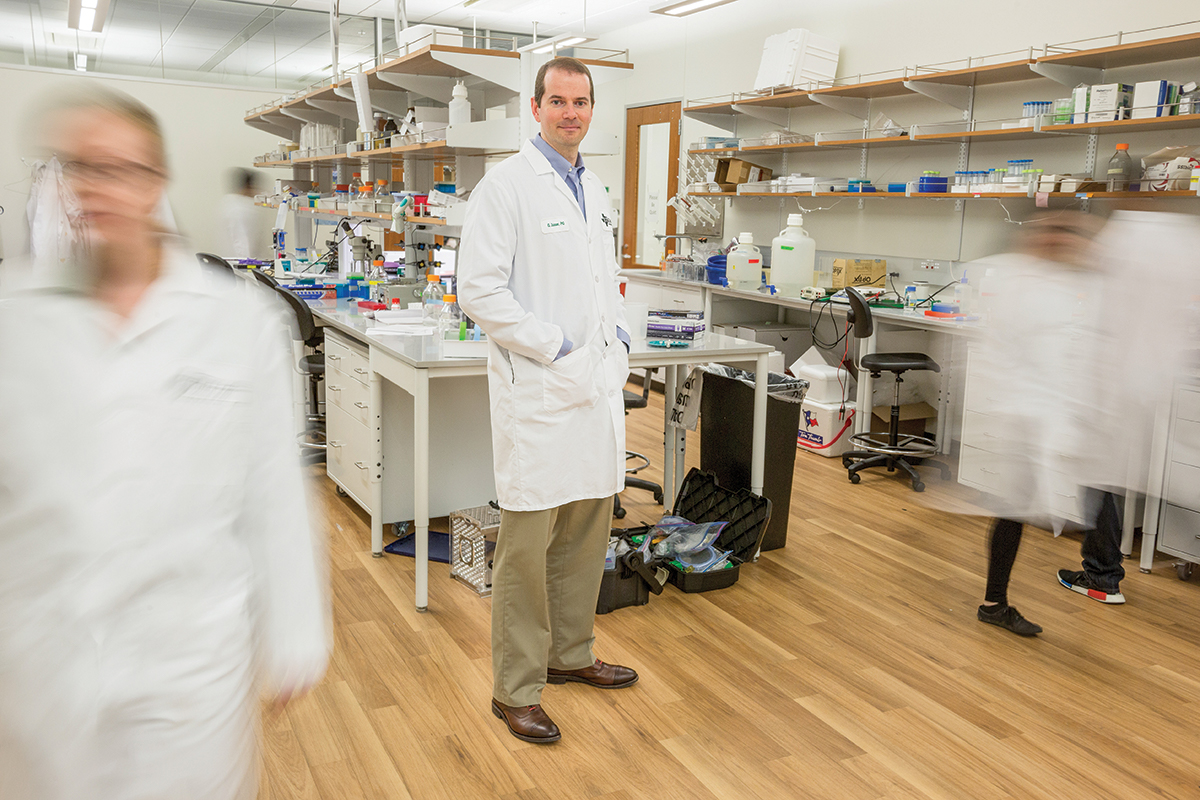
(527, 723)
(600, 675)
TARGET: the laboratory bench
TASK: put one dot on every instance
(400, 400)
(663, 291)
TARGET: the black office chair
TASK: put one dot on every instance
(896, 450)
(264, 278)
(640, 462)
(312, 440)
(208, 259)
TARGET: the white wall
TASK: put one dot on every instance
(718, 51)
(205, 138)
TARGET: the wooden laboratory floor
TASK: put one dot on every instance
(848, 665)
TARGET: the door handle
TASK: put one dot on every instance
(333, 388)
(626, 256)
(360, 465)
(359, 404)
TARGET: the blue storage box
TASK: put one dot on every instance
(934, 185)
(897, 187)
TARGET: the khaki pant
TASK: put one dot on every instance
(545, 583)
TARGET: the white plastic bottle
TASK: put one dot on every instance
(793, 255)
(743, 265)
(431, 300)
(460, 107)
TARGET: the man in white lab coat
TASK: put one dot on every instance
(157, 568)
(537, 273)
(237, 218)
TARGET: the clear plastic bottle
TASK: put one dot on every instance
(450, 319)
(432, 299)
(743, 266)
(793, 254)
(1120, 170)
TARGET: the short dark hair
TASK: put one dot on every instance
(241, 179)
(569, 65)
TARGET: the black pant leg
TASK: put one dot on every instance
(1004, 539)
(1101, 549)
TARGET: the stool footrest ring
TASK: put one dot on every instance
(906, 445)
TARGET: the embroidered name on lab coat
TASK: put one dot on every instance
(554, 225)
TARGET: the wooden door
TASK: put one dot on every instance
(651, 142)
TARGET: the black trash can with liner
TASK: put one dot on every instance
(727, 431)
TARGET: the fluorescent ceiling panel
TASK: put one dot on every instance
(682, 8)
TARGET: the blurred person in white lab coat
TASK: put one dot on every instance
(238, 219)
(538, 274)
(1073, 359)
(157, 568)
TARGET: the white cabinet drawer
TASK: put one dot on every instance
(982, 431)
(1185, 444)
(678, 299)
(1180, 532)
(348, 455)
(988, 472)
(349, 395)
(1066, 497)
(1187, 405)
(1183, 485)
(347, 357)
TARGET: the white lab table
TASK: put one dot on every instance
(413, 362)
(895, 318)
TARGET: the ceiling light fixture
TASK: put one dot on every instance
(87, 16)
(560, 42)
(682, 8)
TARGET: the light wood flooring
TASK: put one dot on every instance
(848, 665)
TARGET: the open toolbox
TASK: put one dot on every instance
(701, 499)
(631, 581)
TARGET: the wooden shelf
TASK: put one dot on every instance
(1171, 48)
(953, 195)
(994, 135)
(272, 163)
(1006, 72)
(891, 87)
(1118, 126)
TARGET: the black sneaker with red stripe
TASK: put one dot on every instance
(1078, 581)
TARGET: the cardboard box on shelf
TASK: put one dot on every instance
(1109, 101)
(859, 272)
(734, 171)
(913, 418)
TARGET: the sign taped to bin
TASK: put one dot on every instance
(686, 409)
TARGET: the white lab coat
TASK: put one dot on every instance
(156, 561)
(532, 271)
(239, 228)
(1075, 362)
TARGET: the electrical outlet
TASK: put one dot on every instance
(930, 265)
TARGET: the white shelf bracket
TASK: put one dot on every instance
(854, 106)
(273, 128)
(310, 115)
(433, 87)
(340, 108)
(957, 96)
(775, 116)
(726, 122)
(504, 72)
(1068, 74)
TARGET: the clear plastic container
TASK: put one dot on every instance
(1120, 170)
(450, 320)
(793, 255)
(743, 266)
(432, 299)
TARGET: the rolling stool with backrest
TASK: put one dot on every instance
(640, 462)
(873, 449)
(306, 331)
